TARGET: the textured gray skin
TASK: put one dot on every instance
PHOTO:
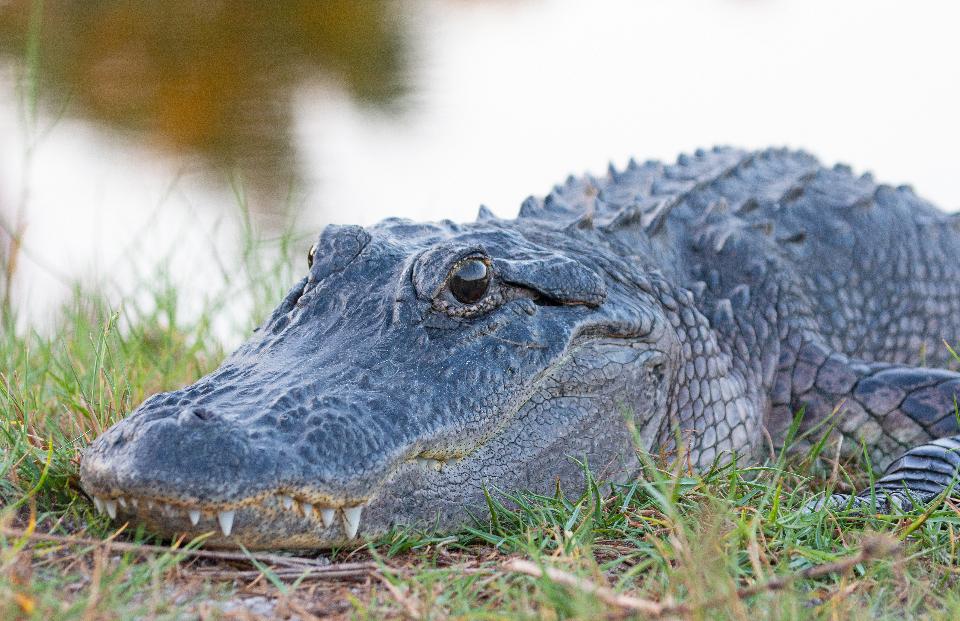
(706, 300)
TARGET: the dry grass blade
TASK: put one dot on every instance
(410, 607)
(872, 548)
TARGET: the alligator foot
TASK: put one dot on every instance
(918, 476)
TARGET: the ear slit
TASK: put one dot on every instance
(553, 280)
(544, 300)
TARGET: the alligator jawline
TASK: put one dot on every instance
(294, 503)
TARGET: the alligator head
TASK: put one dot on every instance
(415, 366)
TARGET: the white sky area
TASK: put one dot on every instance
(507, 98)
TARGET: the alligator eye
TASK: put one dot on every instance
(310, 253)
(470, 281)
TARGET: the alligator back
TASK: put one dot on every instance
(872, 264)
(811, 279)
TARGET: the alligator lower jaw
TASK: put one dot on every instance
(267, 520)
(282, 518)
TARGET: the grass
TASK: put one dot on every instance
(730, 543)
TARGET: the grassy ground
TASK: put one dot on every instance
(732, 543)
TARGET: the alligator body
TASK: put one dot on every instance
(691, 307)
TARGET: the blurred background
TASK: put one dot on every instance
(143, 134)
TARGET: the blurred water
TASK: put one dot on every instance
(148, 118)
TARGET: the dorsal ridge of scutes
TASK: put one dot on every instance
(583, 223)
(530, 207)
(484, 214)
(651, 217)
(560, 208)
(613, 173)
(626, 199)
(655, 220)
(628, 216)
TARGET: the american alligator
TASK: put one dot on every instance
(687, 310)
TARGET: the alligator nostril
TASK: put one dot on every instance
(203, 414)
(196, 414)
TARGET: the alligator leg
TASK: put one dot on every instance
(925, 471)
(906, 418)
(915, 478)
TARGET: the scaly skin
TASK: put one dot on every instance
(706, 300)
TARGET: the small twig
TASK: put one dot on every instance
(341, 571)
(872, 548)
(604, 594)
(327, 572)
(293, 567)
(842, 592)
(141, 548)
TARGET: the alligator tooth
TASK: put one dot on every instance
(308, 509)
(286, 500)
(226, 522)
(122, 501)
(111, 506)
(194, 516)
(351, 520)
(327, 516)
(98, 504)
(135, 503)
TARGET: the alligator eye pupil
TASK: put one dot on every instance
(470, 281)
(310, 253)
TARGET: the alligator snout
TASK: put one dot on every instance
(191, 455)
(216, 467)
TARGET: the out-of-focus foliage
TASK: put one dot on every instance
(215, 78)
